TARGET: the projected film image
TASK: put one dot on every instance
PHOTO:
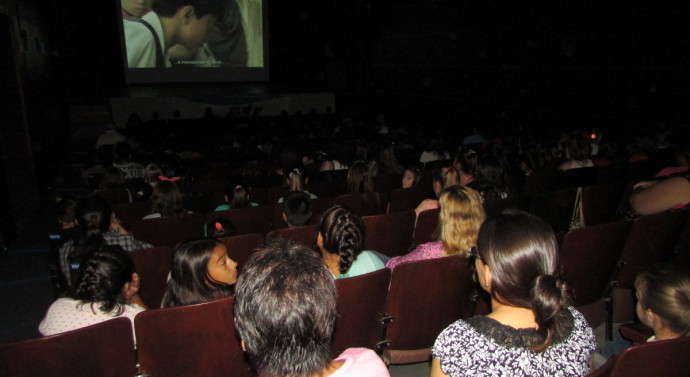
(163, 34)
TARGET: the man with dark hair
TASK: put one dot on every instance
(285, 312)
(171, 22)
(297, 209)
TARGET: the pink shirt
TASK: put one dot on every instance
(429, 250)
(66, 314)
(360, 362)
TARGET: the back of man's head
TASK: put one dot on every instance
(297, 208)
(285, 310)
(168, 8)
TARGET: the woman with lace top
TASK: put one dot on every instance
(532, 330)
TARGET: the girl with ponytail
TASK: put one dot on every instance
(341, 242)
(532, 330)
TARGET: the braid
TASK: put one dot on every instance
(343, 234)
(350, 246)
(101, 278)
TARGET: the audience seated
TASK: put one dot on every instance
(341, 242)
(577, 150)
(166, 200)
(296, 182)
(411, 177)
(236, 197)
(442, 178)
(663, 294)
(202, 271)
(650, 197)
(285, 311)
(531, 330)
(296, 209)
(460, 216)
(97, 226)
(107, 287)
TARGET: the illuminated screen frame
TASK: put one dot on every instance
(192, 74)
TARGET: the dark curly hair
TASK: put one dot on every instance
(343, 234)
(102, 275)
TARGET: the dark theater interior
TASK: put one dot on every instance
(574, 113)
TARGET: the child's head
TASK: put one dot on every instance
(202, 271)
(295, 181)
(151, 173)
(410, 177)
(341, 231)
(102, 277)
(65, 212)
(193, 18)
(663, 294)
(358, 178)
(297, 208)
(167, 199)
(237, 197)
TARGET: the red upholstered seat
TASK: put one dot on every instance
(104, 349)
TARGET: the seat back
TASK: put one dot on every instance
(367, 204)
(668, 358)
(361, 305)
(129, 213)
(581, 177)
(104, 349)
(555, 207)
(424, 298)
(241, 247)
(169, 231)
(389, 234)
(196, 340)
(600, 202)
(589, 255)
(246, 220)
(407, 199)
(114, 196)
(153, 266)
(427, 221)
(305, 235)
(652, 240)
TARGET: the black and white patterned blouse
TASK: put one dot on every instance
(481, 346)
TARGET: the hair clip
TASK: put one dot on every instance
(164, 178)
(238, 187)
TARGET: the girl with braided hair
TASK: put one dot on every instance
(107, 288)
(532, 329)
(341, 242)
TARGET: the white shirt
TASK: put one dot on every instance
(140, 43)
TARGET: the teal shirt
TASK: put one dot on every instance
(365, 263)
(225, 207)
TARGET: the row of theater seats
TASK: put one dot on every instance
(600, 205)
(399, 313)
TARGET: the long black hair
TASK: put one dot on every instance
(522, 253)
(190, 282)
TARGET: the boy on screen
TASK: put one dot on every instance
(171, 22)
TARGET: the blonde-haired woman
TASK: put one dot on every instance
(460, 217)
